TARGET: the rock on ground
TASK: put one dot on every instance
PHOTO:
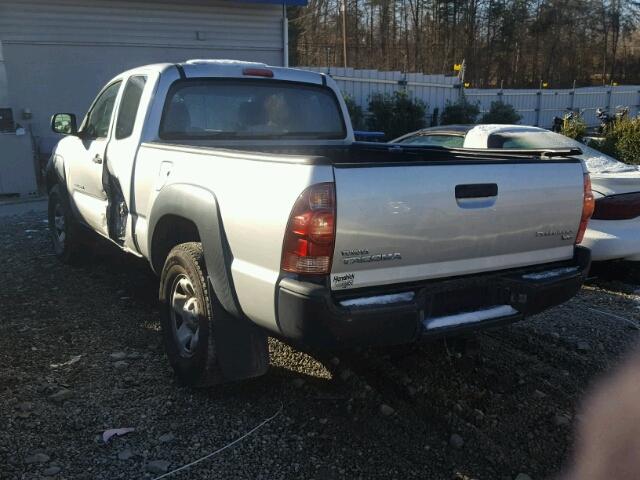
(158, 466)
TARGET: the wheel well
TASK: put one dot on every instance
(171, 230)
(51, 179)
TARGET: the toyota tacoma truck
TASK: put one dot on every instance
(243, 187)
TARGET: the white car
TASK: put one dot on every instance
(614, 230)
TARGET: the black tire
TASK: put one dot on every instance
(66, 236)
(194, 361)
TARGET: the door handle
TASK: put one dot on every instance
(97, 158)
(476, 190)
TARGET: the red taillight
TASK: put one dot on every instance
(588, 205)
(311, 231)
(618, 207)
(258, 72)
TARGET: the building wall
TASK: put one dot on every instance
(58, 54)
(4, 86)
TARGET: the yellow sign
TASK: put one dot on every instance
(614, 84)
(457, 67)
(545, 84)
(467, 84)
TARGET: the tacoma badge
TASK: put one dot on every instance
(372, 258)
(564, 234)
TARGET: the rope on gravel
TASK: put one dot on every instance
(613, 315)
(221, 449)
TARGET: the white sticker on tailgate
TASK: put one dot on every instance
(343, 280)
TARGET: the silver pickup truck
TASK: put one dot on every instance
(242, 186)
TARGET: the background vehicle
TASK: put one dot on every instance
(614, 231)
(243, 187)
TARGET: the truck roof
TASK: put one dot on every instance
(212, 68)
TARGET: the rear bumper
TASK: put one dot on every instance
(312, 315)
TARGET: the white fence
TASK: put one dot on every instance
(434, 90)
(537, 107)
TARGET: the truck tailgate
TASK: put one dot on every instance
(403, 223)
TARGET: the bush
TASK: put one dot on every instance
(501, 112)
(355, 113)
(395, 114)
(462, 112)
(622, 140)
(574, 128)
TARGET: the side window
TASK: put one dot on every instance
(508, 142)
(438, 140)
(99, 117)
(129, 106)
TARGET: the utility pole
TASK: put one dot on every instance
(344, 32)
(463, 70)
(285, 36)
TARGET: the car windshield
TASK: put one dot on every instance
(250, 109)
(597, 162)
(439, 140)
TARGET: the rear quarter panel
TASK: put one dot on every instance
(255, 199)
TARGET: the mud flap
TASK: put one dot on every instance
(241, 347)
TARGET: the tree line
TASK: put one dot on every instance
(514, 43)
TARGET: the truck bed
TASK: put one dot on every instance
(410, 214)
(367, 153)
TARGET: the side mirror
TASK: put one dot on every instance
(64, 123)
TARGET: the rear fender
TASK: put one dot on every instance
(241, 347)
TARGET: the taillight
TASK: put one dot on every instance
(588, 205)
(258, 72)
(618, 207)
(311, 231)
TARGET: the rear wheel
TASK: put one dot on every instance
(65, 231)
(188, 317)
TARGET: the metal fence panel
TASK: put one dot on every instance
(536, 106)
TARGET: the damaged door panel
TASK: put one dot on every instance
(117, 211)
(118, 171)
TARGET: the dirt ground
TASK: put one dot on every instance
(80, 353)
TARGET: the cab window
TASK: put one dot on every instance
(129, 106)
(99, 117)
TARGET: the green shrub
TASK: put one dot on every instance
(462, 112)
(574, 128)
(355, 113)
(395, 114)
(622, 141)
(501, 112)
(627, 134)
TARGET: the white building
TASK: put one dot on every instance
(56, 54)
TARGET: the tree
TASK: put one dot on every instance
(622, 141)
(355, 113)
(515, 43)
(501, 112)
(460, 112)
(574, 128)
(395, 114)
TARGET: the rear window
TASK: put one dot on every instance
(446, 141)
(249, 109)
(531, 139)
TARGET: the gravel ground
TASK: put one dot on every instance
(80, 354)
